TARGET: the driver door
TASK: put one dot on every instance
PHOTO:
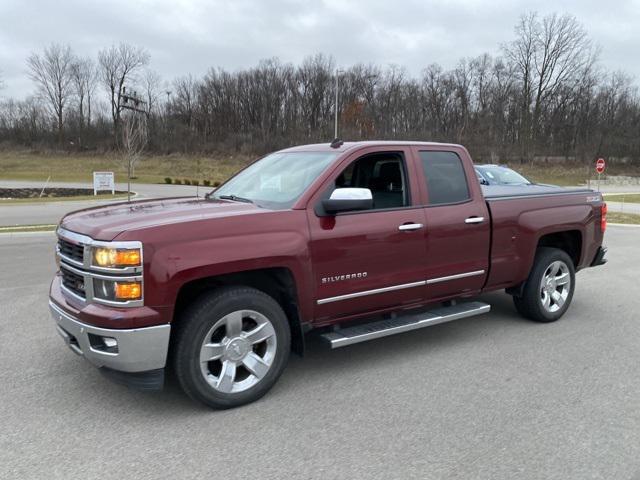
(369, 260)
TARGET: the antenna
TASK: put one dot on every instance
(336, 143)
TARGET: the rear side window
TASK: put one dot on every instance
(446, 181)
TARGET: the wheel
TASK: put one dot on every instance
(231, 346)
(549, 289)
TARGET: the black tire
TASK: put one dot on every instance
(531, 304)
(196, 323)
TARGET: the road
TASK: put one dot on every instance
(51, 212)
(492, 397)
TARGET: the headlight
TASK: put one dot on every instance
(116, 257)
(117, 290)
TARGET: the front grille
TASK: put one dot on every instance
(73, 282)
(71, 250)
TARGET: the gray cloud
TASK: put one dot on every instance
(192, 36)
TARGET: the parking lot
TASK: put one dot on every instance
(490, 397)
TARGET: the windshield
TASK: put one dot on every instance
(502, 176)
(277, 180)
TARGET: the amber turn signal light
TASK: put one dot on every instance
(128, 290)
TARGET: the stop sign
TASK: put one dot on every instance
(600, 165)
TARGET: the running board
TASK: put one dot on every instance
(403, 323)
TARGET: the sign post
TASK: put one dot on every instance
(103, 181)
(600, 166)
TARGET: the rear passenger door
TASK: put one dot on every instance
(457, 225)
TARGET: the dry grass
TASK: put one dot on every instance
(152, 169)
(626, 218)
(623, 197)
(569, 174)
(217, 168)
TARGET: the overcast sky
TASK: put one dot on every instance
(194, 35)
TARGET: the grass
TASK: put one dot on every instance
(28, 228)
(24, 165)
(623, 197)
(13, 201)
(626, 218)
(567, 175)
(16, 165)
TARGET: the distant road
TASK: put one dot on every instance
(51, 212)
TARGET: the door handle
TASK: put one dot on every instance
(407, 227)
(474, 220)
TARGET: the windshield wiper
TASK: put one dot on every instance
(235, 198)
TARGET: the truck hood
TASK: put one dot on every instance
(107, 222)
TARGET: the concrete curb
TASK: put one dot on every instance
(41, 232)
(631, 225)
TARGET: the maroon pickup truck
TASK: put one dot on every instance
(355, 241)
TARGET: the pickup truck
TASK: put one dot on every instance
(355, 241)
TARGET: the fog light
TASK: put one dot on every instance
(103, 344)
(128, 290)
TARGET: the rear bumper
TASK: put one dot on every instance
(136, 350)
(599, 257)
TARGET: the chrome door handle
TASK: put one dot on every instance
(407, 227)
(474, 220)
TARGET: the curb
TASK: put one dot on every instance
(631, 225)
(10, 235)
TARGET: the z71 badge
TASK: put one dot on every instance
(348, 276)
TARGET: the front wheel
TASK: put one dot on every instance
(231, 347)
(549, 289)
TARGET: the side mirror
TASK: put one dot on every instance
(348, 199)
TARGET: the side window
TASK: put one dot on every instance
(382, 173)
(446, 181)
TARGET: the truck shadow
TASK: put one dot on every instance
(319, 357)
(320, 364)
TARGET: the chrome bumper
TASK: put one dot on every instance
(136, 350)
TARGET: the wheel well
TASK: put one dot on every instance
(569, 241)
(278, 283)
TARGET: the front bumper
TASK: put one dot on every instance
(137, 349)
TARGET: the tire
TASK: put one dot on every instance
(548, 291)
(244, 339)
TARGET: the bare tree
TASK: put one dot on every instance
(51, 73)
(118, 65)
(151, 85)
(84, 76)
(549, 55)
(134, 140)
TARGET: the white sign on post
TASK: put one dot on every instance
(103, 181)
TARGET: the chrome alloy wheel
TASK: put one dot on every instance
(238, 351)
(555, 286)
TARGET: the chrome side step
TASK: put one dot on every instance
(404, 323)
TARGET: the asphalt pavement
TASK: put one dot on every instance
(491, 397)
(50, 212)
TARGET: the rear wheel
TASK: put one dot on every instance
(231, 347)
(548, 291)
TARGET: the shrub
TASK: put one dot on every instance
(167, 180)
(216, 184)
(186, 181)
(195, 182)
(177, 181)
(206, 183)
